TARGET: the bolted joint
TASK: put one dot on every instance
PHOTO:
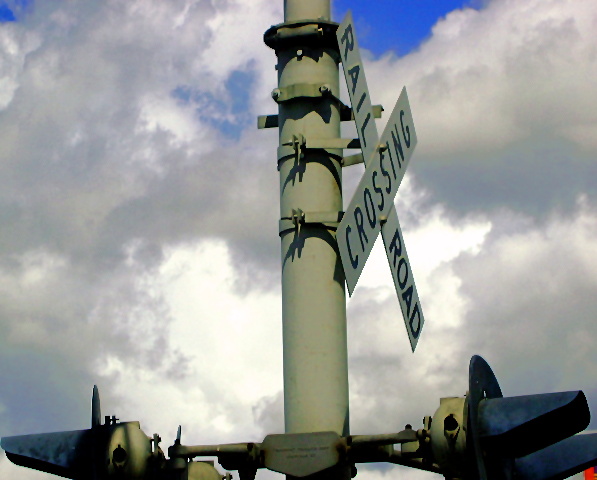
(302, 91)
(325, 89)
(448, 436)
(318, 33)
(298, 219)
(451, 428)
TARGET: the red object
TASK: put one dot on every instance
(590, 473)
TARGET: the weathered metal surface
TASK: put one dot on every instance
(407, 435)
(67, 454)
(559, 461)
(301, 90)
(518, 426)
(302, 454)
(346, 115)
(315, 351)
(448, 436)
(530, 437)
(202, 471)
(96, 410)
(298, 219)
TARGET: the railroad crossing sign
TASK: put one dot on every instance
(371, 209)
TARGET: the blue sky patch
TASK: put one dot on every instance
(230, 115)
(400, 26)
(239, 84)
(11, 10)
(6, 14)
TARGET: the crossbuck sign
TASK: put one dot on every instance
(371, 209)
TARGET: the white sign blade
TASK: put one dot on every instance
(358, 91)
(403, 278)
(354, 73)
(375, 194)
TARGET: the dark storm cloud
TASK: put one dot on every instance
(533, 177)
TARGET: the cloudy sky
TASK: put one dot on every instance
(139, 248)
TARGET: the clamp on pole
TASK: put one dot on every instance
(346, 115)
(298, 219)
(297, 146)
(303, 90)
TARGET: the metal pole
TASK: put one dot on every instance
(297, 10)
(313, 295)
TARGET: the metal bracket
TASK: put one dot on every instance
(302, 90)
(333, 143)
(346, 115)
(293, 148)
(267, 121)
(298, 144)
(352, 160)
(299, 219)
(317, 33)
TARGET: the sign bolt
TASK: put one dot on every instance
(325, 89)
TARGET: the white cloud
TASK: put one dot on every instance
(491, 77)
(533, 290)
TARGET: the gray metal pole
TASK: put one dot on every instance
(313, 295)
(297, 10)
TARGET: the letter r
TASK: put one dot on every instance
(348, 38)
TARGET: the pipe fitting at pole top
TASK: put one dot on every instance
(306, 10)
